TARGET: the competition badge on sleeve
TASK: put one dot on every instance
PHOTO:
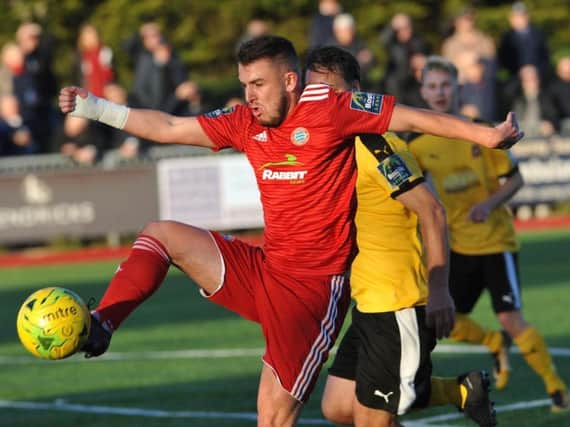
(394, 170)
(367, 102)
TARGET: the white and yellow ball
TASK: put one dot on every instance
(53, 323)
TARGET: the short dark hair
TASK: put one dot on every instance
(439, 63)
(272, 47)
(334, 59)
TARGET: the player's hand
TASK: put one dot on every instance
(440, 312)
(507, 133)
(67, 98)
(480, 212)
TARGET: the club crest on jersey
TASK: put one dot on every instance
(220, 112)
(367, 102)
(300, 136)
(394, 169)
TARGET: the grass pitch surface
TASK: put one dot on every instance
(180, 360)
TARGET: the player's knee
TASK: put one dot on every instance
(156, 229)
(162, 231)
(336, 412)
(271, 417)
(513, 322)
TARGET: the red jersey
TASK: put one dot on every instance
(306, 173)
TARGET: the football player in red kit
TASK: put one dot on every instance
(299, 145)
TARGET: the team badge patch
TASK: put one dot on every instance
(300, 136)
(220, 112)
(367, 102)
(394, 170)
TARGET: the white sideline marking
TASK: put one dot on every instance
(237, 352)
(145, 355)
(63, 406)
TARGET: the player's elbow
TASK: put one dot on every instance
(432, 211)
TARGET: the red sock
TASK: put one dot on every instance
(134, 281)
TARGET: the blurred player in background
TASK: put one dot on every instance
(383, 365)
(298, 143)
(475, 184)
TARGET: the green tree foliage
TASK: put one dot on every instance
(205, 32)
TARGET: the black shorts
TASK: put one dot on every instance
(469, 275)
(388, 355)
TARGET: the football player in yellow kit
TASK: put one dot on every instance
(474, 185)
(383, 365)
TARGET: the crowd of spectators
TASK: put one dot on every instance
(529, 85)
(536, 86)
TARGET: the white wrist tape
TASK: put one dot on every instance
(100, 109)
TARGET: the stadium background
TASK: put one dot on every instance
(205, 32)
(199, 366)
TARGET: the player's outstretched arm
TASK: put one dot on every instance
(503, 136)
(147, 124)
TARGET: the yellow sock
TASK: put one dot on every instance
(535, 352)
(467, 330)
(445, 391)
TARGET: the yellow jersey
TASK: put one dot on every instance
(463, 175)
(388, 272)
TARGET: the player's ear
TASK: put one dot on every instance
(291, 81)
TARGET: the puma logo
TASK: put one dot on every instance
(382, 395)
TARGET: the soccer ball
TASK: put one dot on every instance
(53, 323)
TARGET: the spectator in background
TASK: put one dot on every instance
(15, 137)
(402, 44)
(6, 71)
(558, 94)
(411, 87)
(189, 100)
(12, 60)
(477, 90)
(158, 73)
(134, 46)
(37, 48)
(531, 104)
(524, 44)
(94, 62)
(256, 27)
(467, 38)
(121, 147)
(321, 30)
(345, 37)
(80, 140)
(21, 83)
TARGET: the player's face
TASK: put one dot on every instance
(266, 85)
(332, 78)
(438, 90)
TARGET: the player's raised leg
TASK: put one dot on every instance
(159, 245)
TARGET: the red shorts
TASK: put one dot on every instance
(300, 316)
